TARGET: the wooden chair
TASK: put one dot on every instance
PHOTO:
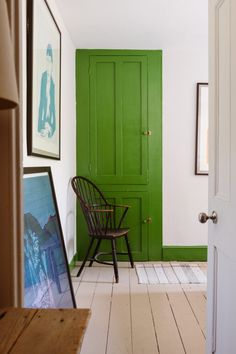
(103, 222)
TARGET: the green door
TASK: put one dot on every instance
(119, 139)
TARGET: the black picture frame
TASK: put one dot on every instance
(202, 124)
(43, 81)
(47, 280)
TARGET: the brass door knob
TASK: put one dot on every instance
(147, 221)
(148, 132)
(203, 217)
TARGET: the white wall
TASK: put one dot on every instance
(184, 194)
(64, 169)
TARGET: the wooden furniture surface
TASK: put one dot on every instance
(26, 331)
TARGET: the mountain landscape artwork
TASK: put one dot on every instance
(47, 282)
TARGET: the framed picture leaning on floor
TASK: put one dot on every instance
(47, 281)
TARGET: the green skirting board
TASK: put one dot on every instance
(72, 263)
(184, 253)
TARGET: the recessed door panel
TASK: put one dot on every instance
(118, 119)
(223, 109)
(134, 118)
(135, 220)
(105, 126)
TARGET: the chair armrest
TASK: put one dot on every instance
(101, 210)
(97, 208)
(111, 205)
(119, 206)
(123, 213)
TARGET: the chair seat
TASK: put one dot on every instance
(112, 233)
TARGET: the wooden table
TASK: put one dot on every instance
(42, 331)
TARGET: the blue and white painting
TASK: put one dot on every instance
(47, 114)
(46, 81)
(46, 277)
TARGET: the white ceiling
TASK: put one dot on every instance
(135, 24)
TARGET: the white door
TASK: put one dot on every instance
(221, 337)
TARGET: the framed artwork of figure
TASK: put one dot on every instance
(43, 81)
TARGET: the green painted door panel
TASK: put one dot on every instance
(118, 117)
(136, 215)
(119, 97)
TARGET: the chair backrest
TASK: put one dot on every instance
(87, 192)
(93, 205)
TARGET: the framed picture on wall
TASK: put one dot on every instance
(47, 281)
(202, 125)
(43, 81)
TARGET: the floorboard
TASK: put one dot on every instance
(119, 335)
(143, 332)
(132, 318)
(197, 301)
(190, 332)
(95, 339)
(166, 329)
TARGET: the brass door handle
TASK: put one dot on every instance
(147, 221)
(203, 217)
(148, 132)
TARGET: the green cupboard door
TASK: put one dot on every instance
(114, 115)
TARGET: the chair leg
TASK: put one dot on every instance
(129, 251)
(95, 252)
(86, 257)
(113, 246)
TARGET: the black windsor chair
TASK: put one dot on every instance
(102, 222)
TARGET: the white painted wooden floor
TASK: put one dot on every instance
(132, 318)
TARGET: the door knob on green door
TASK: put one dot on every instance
(148, 132)
(147, 221)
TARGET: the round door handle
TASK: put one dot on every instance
(203, 217)
(147, 221)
